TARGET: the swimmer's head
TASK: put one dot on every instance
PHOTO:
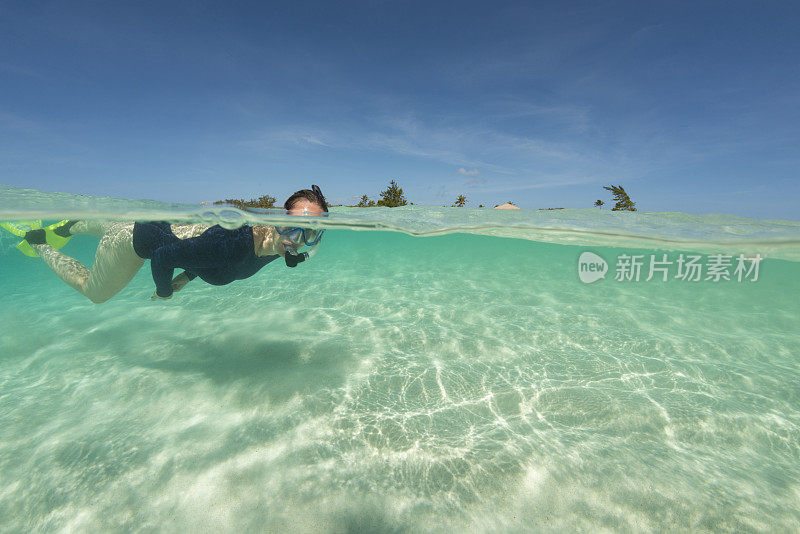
(306, 201)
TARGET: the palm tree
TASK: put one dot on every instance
(623, 201)
(460, 201)
(598, 203)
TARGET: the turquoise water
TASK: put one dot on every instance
(466, 380)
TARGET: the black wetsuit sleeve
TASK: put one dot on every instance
(207, 251)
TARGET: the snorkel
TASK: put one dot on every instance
(293, 256)
(293, 238)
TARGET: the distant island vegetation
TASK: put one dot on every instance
(262, 202)
(393, 196)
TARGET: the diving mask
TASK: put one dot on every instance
(301, 236)
(294, 238)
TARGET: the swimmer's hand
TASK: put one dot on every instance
(180, 281)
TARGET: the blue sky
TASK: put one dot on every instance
(692, 106)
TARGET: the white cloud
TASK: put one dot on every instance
(288, 136)
(311, 140)
(471, 172)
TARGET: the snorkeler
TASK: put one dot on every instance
(218, 256)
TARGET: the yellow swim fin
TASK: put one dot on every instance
(53, 239)
(20, 228)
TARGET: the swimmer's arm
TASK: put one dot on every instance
(186, 231)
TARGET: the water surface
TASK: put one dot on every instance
(431, 369)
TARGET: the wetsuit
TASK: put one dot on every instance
(218, 256)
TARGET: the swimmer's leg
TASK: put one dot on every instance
(91, 227)
(99, 228)
(115, 262)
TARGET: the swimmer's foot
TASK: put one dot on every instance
(36, 237)
(63, 230)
